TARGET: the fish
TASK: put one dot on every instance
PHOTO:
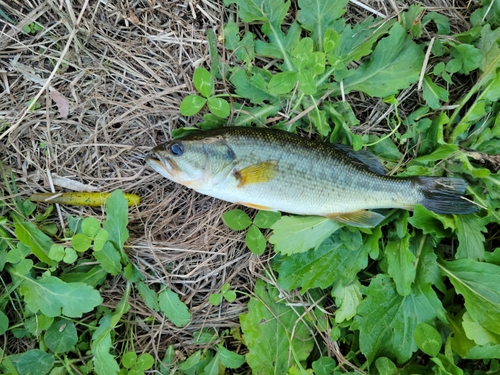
(275, 170)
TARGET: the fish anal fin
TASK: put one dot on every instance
(360, 219)
(257, 173)
(257, 206)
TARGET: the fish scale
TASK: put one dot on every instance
(276, 170)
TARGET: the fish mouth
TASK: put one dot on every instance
(164, 166)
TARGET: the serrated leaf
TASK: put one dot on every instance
(116, 219)
(228, 358)
(61, 336)
(191, 105)
(394, 65)
(219, 107)
(202, 80)
(470, 238)
(173, 308)
(236, 219)
(54, 297)
(321, 267)
(479, 284)
(317, 17)
(297, 234)
(255, 240)
(401, 263)
(386, 319)
(35, 239)
(268, 327)
(439, 226)
(428, 339)
(347, 298)
(148, 295)
(433, 93)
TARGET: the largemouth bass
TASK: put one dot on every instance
(274, 170)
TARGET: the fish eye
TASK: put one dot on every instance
(177, 149)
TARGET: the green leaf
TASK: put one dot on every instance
(469, 57)
(268, 326)
(70, 255)
(29, 235)
(61, 336)
(100, 239)
(56, 253)
(445, 366)
(219, 107)
(4, 322)
(145, 361)
(116, 219)
(347, 299)
(191, 105)
(428, 339)
(317, 17)
(265, 219)
(296, 234)
(282, 83)
(81, 242)
(387, 321)
(324, 366)
(109, 259)
(321, 267)
(173, 308)
(236, 219)
(215, 299)
(255, 240)
(385, 366)
(90, 226)
(433, 93)
(470, 238)
(148, 295)
(474, 331)
(34, 362)
(401, 263)
(307, 84)
(394, 64)
(228, 358)
(129, 359)
(54, 297)
(479, 284)
(431, 223)
(202, 80)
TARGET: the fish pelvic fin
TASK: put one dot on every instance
(443, 195)
(360, 219)
(257, 173)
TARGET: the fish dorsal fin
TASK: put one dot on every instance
(360, 219)
(365, 158)
(257, 173)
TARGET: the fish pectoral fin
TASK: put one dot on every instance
(256, 206)
(257, 173)
(360, 219)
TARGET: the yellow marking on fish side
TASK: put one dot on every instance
(257, 173)
(256, 206)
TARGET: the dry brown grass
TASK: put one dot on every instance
(124, 67)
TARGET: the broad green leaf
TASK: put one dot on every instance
(394, 65)
(255, 240)
(93, 276)
(479, 284)
(272, 330)
(34, 362)
(173, 308)
(81, 242)
(306, 82)
(282, 83)
(490, 53)
(317, 17)
(301, 52)
(265, 219)
(445, 366)
(297, 234)
(316, 62)
(145, 361)
(20, 252)
(56, 252)
(191, 105)
(431, 223)
(116, 219)
(401, 263)
(90, 226)
(202, 80)
(470, 238)
(474, 331)
(324, 366)
(54, 297)
(61, 336)
(433, 93)
(109, 259)
(321, 267)
(347, 299)
(100, 239)
(29, 235)
(148, 295)
(4, 323)
(252, 87)
(428, 339)
(215, 299)
(228, 358)
(129, 359)
(236, 219)
(219, 107)
(468, 56)
(385, 366)
(104, 362)
(70, 255)
(387, 321)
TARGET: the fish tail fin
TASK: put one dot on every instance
(443, 195)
